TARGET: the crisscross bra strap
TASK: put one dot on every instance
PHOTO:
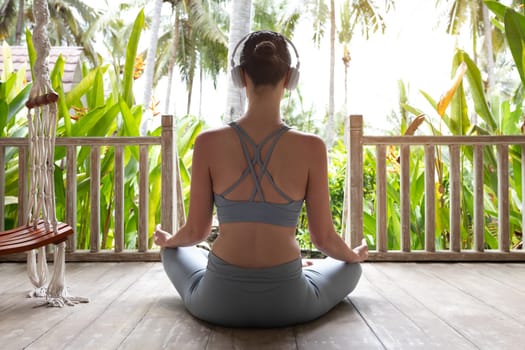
(246, 140)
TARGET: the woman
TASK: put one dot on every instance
(257, 171)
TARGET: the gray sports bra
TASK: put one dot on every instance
(282, 214)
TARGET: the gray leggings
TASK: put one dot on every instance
(232, 296)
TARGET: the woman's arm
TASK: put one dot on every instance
(320, 222)
(199, 219)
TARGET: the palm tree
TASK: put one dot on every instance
(150, 65)
(364, 15)
(8, 13)
(240, 23)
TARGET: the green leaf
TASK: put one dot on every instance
(78, 91)
(131, 54)
(31, 52)
(130, 126)
(497, 8)
(477, 90)
(515, 32)
(4, 110)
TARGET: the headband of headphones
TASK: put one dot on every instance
(236, 69)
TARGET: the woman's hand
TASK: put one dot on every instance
(161, 237)
(362, 251)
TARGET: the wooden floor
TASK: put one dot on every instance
(396, 306)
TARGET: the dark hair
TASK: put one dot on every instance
(265, 57)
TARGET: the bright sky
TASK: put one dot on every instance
(412, 49)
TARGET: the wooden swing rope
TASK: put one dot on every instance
(42, 126)
(42, 119)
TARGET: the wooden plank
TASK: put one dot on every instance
(64, 326)
(22, 323)
(397, 318)
(482, 288)
(342, 328)
(264, 339)
(509, 275)
(14, 278)
(117, 319)
(481, 324)
(167, 324)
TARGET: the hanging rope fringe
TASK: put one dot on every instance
(41, 116)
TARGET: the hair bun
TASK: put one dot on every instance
(264, 48)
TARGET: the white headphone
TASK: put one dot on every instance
(236, 71)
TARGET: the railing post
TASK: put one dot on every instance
(172, 205)
(354, 231)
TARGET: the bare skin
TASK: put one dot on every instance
(298, 166)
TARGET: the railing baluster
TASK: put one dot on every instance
(143, 199)
(523, 188)
(95, 199)
(405, 197)
(381, 223)
(503, 198)
(479, 207)
(455, 199)
(356, 181)
(22, 183)
(430, 198)
(119, 198)
(71, 195)
(2, 187)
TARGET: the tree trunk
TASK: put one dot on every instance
(150, 66)
(172, 61)
(330, 122)
(19, 22)
(240, 23)
(488, 46)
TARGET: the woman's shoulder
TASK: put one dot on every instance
(212, 135)
(306, 139)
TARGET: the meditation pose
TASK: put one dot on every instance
(258, 172)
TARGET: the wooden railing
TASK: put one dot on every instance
(172, 210)
(455, 144)
(172, 214)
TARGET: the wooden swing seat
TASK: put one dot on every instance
(24, 238)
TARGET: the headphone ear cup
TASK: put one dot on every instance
(293, 79)
(236, 75)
